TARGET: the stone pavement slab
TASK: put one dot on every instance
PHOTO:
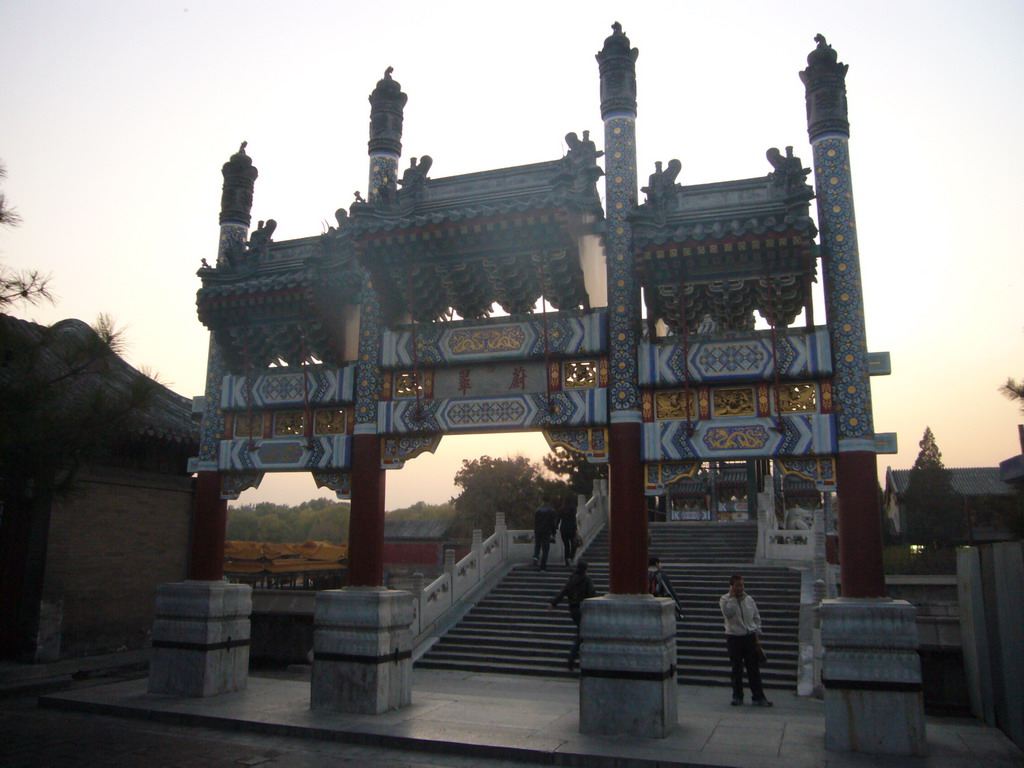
(536, 720)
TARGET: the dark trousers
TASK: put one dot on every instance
(568, 547)
(743, 652)
(541, 546)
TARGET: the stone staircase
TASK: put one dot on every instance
(512, 631)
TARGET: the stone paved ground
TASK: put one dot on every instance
(46, 738)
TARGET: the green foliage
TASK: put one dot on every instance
(935, 511)
(423, 511)
(1003, 513)
(316, 519)
(25, 287)
(579, 473)
(926, 561)
(513, 486)
(65, 398)
(1013, 390)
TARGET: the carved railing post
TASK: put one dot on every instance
(477, 548)
(449, 564)
(819, 551)
(502, 530)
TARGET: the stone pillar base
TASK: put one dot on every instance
(872, 677)
(628, 666)
(200, 639)
(362, 650)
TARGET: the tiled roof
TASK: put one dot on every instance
(480, 195)
(709, 212)
(415, 529)
(169, 416)
(968, 481)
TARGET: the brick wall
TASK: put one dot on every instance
(118, 536)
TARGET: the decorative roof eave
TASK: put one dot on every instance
(368, 226)
(292, 290)
(734, 209)
(569, 182)
(747, 230)
(283, 268)
(510, 263)
(777, 202)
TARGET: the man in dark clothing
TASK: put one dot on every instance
(545, 523)
(660, 585)
(567, 528)
(578, 588)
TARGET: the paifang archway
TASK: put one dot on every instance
(351, 352)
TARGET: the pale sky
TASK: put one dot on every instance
(118, 116)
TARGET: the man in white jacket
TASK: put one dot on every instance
(742, 628)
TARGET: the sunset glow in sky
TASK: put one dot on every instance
(118, 115)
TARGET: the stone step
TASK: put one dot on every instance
(511, 630)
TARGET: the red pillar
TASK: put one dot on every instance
(627, 520)
(209, 526)
(860, 525)
(366, 524)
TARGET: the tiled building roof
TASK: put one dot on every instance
(968, 481)
(169, 416)
(395, 530)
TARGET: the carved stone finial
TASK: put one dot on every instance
(260, 239)
(789, 175)
(239, 182)
(823, 54)
(825, 85)
(617, 64)
(415, 176)
(580, 163)
(387, 105)
(662, 184)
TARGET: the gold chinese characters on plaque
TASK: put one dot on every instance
(797, 398)
(733, 401)
(674, 405)
(580, 375)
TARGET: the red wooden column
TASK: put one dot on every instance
(860, 525)
(627, 527)
(209, 526)
(366, 524)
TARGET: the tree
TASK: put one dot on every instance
(934, 508)
(513, 486)
(1013, 390)
(318, 519)
(423, 511)
(28, 286)
(580, 474)
(66, 399)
